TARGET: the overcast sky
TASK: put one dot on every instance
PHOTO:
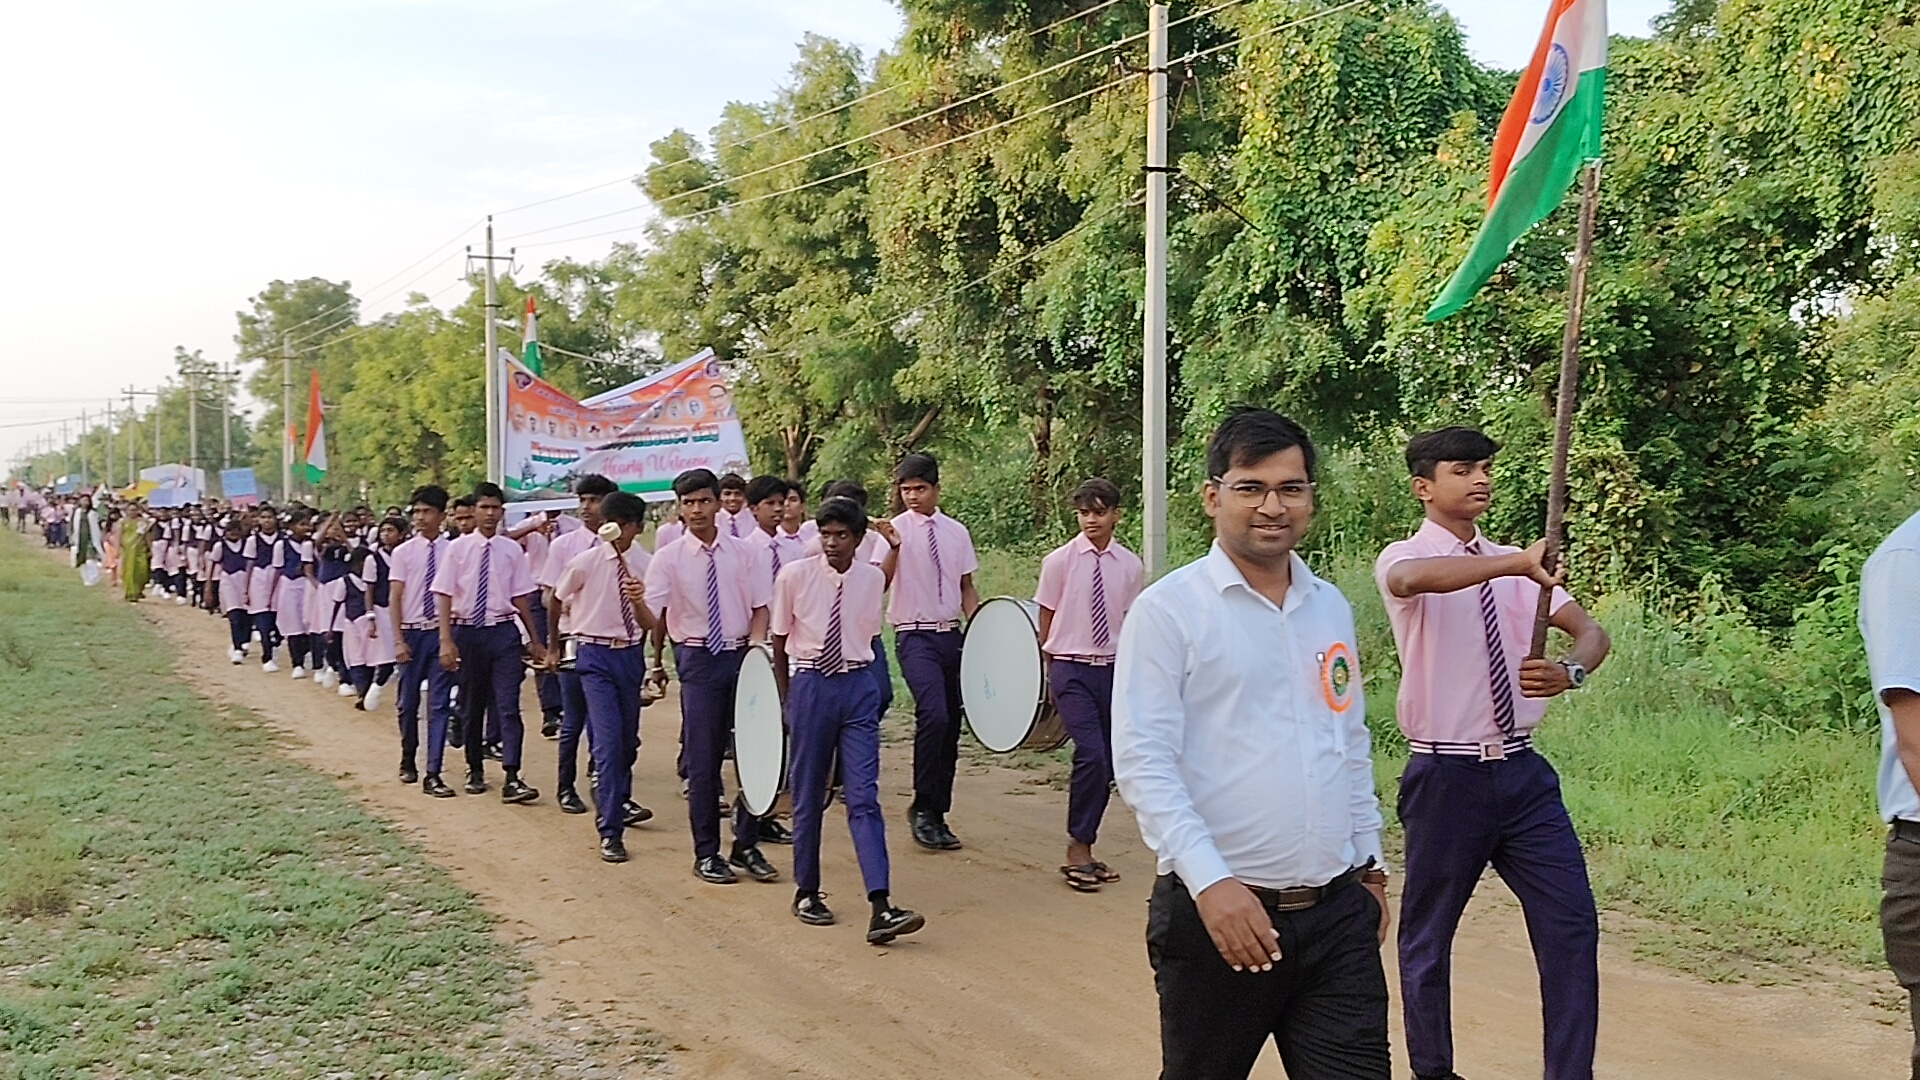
(171, 158)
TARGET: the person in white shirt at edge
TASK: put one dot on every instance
(1890, 626)
(1240, 741)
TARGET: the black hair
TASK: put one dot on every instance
(594, 484)
(430, 494)
(762, 488)
(694, 480)
(1251, 435)
(733, 481)
(846, 489)
(1098, 493)
(399, 525)
(487, 489)
(1426, 451)
(795, 487)
(839, 510)
(917, 467)
(464, 502)
(623, 508)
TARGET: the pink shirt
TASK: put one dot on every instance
(667, 533)
(507, 577)
(589, 586)
(1066, 589)
(872, 549)
(561, 552)
(1445, 692)
(923, 598)
(803, 608)
(677, 586)
(775, 551)
(408, 564)
(738, 526)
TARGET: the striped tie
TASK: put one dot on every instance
(626, 605)
(1499, 679)
(426, 593)
(1102, 633)
(479, 615)
(831, 661)
(716, 631)
(775, 546)
(939, 575)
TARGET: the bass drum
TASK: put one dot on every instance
(1003, 679)
(759, 736)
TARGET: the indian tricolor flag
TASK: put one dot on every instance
(1551, 128)
(316, 455)
(530, 344)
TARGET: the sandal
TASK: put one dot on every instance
(1107, 874)
(1082, 878)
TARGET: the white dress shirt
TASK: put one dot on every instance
(1890, 626)
(1239, 729)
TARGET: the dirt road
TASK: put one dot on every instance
(1014, 977)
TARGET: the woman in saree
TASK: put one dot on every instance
(136, 552)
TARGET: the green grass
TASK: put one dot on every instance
(177, 900)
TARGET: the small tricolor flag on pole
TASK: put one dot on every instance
(316, 454)
(1551, 128)
(530, 344)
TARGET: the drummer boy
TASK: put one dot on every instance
(1086, 586)
(826, 615)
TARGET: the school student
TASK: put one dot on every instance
(932, 591)
(1890, 629)
(263, 585)
(1086, 587)
(411, 571)
(379, 651)
(481, 588)
(293, 561)
(766, 507)
(794, 523)
(366, 637)
(602, 590)
(324, 619)
(826, 609)
(1476, 793)
(878, 548)
(232, 558)
(710, 604)
(536, 537)
(732, 518)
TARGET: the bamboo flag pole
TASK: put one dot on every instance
(1563, 403)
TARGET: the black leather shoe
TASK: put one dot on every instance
(754, 863)
(569, 801)
(456, 738)
(714, 871)
(409, 774)
(476, 783)
(772, 832)
(491, 751)
(892, 923)
(633, 814)
(925, 833)
(436, 787)
(612, 850)
(948, 841)
(812, 910)
(515, 790)
(550, 727)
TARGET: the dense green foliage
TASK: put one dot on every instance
(941, 249)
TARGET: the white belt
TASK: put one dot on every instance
(1485, 751)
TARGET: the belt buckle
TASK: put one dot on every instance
(1493, 751)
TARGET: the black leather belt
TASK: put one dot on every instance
(1301, 897)
(1904, 829)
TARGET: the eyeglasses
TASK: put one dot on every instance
(1252, 495)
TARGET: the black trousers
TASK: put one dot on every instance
(1324, 1004)
(1900, 921)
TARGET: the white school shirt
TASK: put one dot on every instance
(1239, 729)
(1890, 625)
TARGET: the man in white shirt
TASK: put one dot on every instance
(1890, 625)
(1240, 741)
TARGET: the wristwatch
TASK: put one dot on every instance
(1576, 673)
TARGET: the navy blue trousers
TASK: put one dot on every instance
(267, 625)
(546, 687)
(239, 627)
(882, 676)
(707, 683)
(610, 681)
(1083, 695)
(573, 724)
(424, 666)
(1462, 815)
(828, 715)
(930, 662)
(491, 670)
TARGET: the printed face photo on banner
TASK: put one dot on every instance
(640, 436)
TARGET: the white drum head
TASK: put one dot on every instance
(759, 740)
(1002, 682)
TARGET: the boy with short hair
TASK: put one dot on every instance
(1086, 586)
(1476, 793)
(932, 593)
(413, 567)
(733, 506)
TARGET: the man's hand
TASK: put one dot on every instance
(1386, 915)
(886, 530)
(1239, 926)
(449, 656)
(1536, 568)
(1544, 679)
(538, 654)
(635, 590)
(402, 654)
